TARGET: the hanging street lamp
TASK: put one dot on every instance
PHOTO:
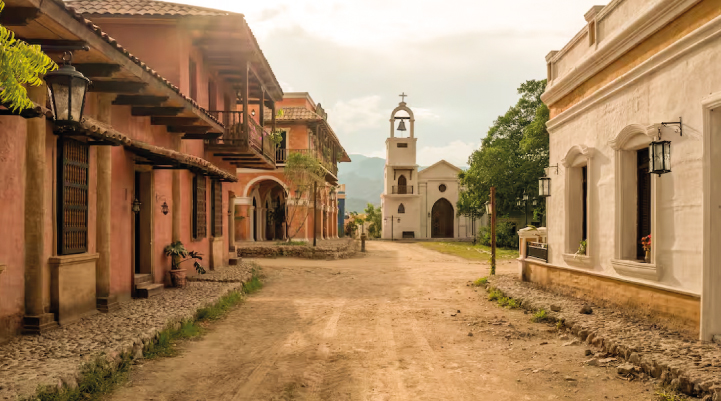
(544, 187)
(67, 88)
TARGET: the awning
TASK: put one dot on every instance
(157, 156)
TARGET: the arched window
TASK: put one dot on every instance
(401, 209)
(402, 187)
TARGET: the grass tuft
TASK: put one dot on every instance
(480, 282)
(291, 243)
(540, 316)
(665, 394)
(494, 294)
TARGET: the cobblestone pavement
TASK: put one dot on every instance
(691, 366)
(55, 357)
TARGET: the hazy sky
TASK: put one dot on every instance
(460, 61)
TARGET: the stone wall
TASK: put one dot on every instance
(337, 250)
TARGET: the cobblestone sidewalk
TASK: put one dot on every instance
(691, 366)
(55, 357)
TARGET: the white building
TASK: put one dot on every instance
(635, 65)
(419, 204)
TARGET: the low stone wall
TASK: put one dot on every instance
(587, 285)
(691, 366)
(337, 249)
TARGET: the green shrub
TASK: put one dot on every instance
(494, 294)
(506, 235)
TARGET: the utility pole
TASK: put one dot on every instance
(493, 231)
(315, 213)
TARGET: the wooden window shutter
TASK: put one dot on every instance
(217, 208)
(644, 201)
(72, 196)
(200, 217)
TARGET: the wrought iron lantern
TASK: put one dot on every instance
(489, 208)
(136, 206)
(544, 187)
(163, 208)
(67, 88)
(659, 151)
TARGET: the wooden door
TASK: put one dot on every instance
(442, 219)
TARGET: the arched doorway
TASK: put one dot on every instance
(255, 220)
(402, 185)
(442, 219)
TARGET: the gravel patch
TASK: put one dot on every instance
(690, 366)
(230, 274)
(55, 357)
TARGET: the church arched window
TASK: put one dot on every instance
(402, 185)
(401, 209)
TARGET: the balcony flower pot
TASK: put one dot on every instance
(179, 255)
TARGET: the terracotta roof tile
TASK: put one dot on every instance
(142, 7)
(96, 29)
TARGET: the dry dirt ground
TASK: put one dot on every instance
(384, 326)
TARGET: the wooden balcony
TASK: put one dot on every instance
(252, 149)
(281, 156)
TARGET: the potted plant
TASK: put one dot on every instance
(646, 244)
(582, 247)
(179, 254)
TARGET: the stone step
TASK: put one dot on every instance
(143, 279)
(148, 290)
(233, 261)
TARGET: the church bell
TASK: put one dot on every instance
(402, 126)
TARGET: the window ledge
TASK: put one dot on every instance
(577, 260)
(636, 269)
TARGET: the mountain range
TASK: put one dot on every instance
(363, 179)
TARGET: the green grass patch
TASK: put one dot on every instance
(99, 379)
(509, 303)
(292, 243)
(665, 394)
(480, 282)
(494, 294)
(468, 251)
(540, 316)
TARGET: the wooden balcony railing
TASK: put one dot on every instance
(234, 135)
(403, 190)
(281, 156)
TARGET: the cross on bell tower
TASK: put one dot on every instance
(403, 97)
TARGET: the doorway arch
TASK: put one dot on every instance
(442, 219)
(402, 185)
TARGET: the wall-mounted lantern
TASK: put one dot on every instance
(544, 184)
(164, 208)
(67, 88)
(136, 206)
(659, 152)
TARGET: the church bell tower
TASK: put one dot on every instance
(400, 201)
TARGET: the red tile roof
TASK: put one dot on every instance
(142, 7)
(96, 29)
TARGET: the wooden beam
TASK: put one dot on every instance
(117, 86)
(173, 120)
(58, 45)
(188, 129)
(209, 135)
(18, 16)
(97, 70)
(139, 100)
(155, 111)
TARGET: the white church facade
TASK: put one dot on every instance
(419, 204)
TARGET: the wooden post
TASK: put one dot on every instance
(246, 93)
(315, 213)
(493, 231)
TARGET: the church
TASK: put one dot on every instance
(419, 204)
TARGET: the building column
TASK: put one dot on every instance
(105, 302)
(231, 224)
(35, 320)
(176, 194)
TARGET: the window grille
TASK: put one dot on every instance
(72, 196)
(217, 208)
(200, 229)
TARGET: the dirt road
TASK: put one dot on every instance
(385, 326)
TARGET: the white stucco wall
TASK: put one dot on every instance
(662, 93)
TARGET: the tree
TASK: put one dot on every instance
(301, 172)
(20, 64)
(373, 216)
(512, 157)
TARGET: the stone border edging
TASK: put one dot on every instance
(692, 367)
(345, 251)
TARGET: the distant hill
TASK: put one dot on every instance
(364, 181)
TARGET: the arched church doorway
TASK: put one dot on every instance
(442, 219)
